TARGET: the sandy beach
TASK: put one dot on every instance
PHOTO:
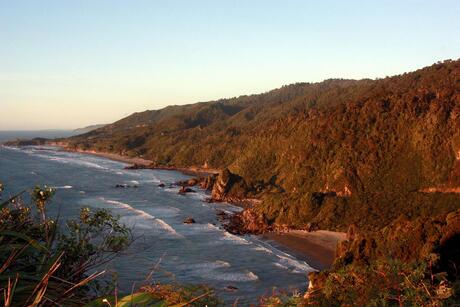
(115, 157)
(317, 248)
(193, 170)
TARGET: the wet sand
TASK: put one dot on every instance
(317, 248)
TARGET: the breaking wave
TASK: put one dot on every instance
(140, 213)
(233, 238)
(214, 270)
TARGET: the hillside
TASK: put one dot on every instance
(87, 129)
(334, 153)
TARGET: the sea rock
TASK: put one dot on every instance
(183, 190)
(161, 185)
(231, 288)
(125, 186)
(189, 220)
(191, 182)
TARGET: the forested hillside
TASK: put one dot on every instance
(334, 153)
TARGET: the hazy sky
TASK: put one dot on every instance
(67, 64)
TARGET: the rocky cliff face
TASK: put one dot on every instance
(246, 222)
(229, 187)
(363, 146)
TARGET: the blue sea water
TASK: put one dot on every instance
(190, 253)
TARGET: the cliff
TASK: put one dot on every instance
(334, 153)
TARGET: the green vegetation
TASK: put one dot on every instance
(42, 264)
(334, 153)
(408, 263)
(380, 155)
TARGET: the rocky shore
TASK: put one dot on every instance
(225, 186)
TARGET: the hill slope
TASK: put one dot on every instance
(87, 129)
(336, 153)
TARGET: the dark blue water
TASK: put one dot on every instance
(196, 253)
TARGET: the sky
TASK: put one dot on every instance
(69, 64)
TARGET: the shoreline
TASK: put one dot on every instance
(145, 163)
(317, 248)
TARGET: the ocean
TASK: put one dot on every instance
(26, 134)
(201, 253)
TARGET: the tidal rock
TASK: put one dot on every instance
(185, 190)
(231, 288)
(125, 186)
(161, 185)
(189, 220)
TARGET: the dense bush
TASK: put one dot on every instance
(42, 265)
(379, 141)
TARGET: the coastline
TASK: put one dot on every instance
(317, 248)
(112, 156)
(144, 163)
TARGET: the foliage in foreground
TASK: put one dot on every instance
(43, 265)
(385, 283)
(161, 296)
(40, 264)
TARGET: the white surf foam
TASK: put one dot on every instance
(263, 249)
(208, 265)
(153, 180)
(166, 226)
(248, 276)
(233, 238)
(128, 207)
(64, 187)
(10, 148)
(285, 260)
(204, 227)
(157, 223)
(294, 265)
(70, 160)
(216, 271)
